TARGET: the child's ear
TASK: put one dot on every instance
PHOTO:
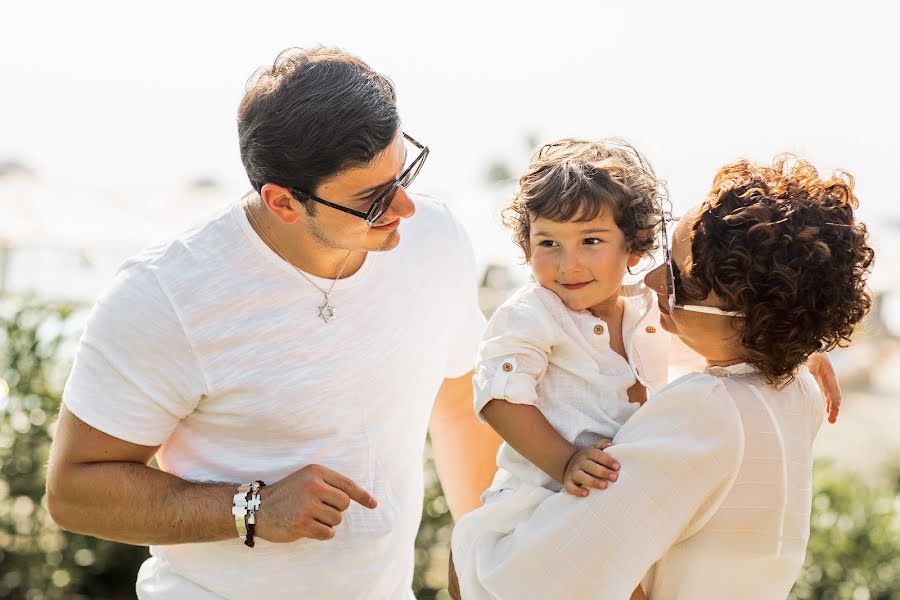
(633, 259)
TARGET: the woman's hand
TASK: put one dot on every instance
(590, 467)
(823, 371)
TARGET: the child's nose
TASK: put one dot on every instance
(568, 260)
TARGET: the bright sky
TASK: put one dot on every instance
(106, 95)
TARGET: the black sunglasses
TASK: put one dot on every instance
(383, 201)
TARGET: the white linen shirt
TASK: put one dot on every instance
(538, 351)
(712, 501)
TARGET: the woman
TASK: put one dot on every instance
(713, 496)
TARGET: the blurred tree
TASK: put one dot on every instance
(854, 542)
(433, 539)
(501, 171)
(37, 559)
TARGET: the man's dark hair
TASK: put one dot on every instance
(312, 114)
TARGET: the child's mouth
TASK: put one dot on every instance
(574, 286)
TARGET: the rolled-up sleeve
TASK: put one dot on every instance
(513, 355)
(680, 454)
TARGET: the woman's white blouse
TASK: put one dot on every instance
(712, 501)
(537, 351)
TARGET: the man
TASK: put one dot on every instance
(297, 339)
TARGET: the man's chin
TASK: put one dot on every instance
(391, 241)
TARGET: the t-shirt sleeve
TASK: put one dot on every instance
(470, 320)
(514, 353)
(135, 375)
(680, 454)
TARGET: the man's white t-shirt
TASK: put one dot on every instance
(213, 347)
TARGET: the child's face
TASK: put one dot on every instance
(582, 262)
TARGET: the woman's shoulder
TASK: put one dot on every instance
(694, 401)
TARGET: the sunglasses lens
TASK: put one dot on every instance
(413, 171)
(381, 205)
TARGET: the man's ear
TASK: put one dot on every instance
(278, 200)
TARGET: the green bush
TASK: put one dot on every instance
(854, 549)
(854, 543)
(433, 539)
(37, 559)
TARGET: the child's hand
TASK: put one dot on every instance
(590, 467)
(822, 370)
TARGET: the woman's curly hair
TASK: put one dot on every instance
(781, 245)
(574, 179)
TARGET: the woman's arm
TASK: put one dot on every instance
(679, 453)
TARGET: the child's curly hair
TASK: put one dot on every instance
(574, 179)
(781, 245)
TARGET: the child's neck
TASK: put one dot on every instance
(610, 310)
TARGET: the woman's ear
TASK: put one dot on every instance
(633, 259)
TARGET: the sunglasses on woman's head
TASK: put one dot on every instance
(673, 275)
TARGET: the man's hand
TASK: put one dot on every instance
(822, 370)
(590, 467)
(307, 504)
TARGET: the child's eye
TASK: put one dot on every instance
(592, 241)
(547, 243)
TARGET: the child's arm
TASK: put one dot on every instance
(526, 429)
(638, 594)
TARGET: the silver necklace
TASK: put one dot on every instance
(326, 311)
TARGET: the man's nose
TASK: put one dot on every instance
(402, 205)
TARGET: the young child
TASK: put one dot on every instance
(568, 358)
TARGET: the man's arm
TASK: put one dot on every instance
(465, 449)
(102, 486)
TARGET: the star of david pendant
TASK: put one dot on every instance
(327, 312)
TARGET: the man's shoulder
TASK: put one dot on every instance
(194, 265)
(199, 244)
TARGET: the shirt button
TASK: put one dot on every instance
(651, 329)
(507, 367)
(598, 329)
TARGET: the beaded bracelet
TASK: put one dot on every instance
(244, 505)
(253, 505)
